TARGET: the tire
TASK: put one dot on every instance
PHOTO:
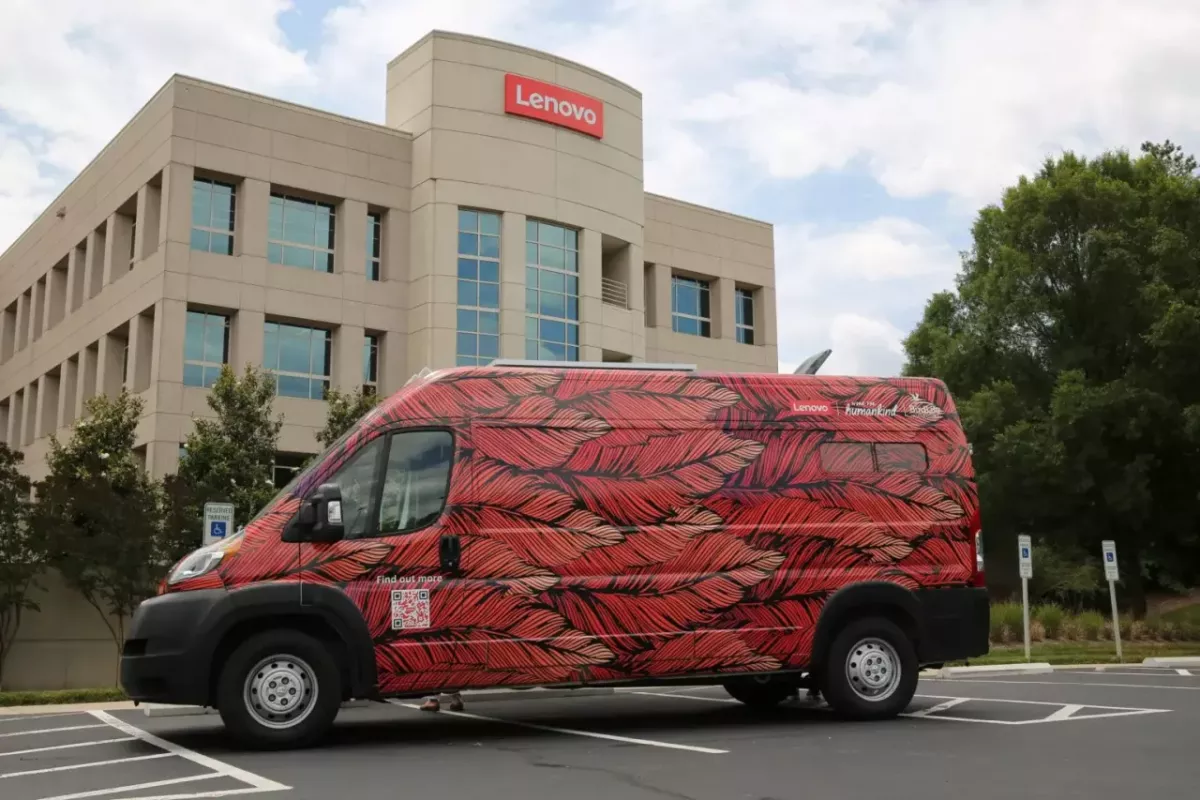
(287, 661)
(882, 685)
(759, 694)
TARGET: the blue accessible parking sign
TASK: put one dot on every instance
(217, 531)
(218, 521)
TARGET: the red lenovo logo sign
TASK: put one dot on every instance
(535, 99)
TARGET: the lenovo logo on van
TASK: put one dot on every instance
(811, 408)
(546, 102)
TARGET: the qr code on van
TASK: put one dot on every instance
(410, 609)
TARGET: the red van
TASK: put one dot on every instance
(547, 525)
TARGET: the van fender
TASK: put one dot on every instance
(261, 605)
(863, 599)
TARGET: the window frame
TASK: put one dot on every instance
(466, 359)
(276, 372)
(705, 289)
(374, 245)
(743, 330)
(534, 318)
(284, 198)
(204, 365)
(211, 184)
(380, 474)
(370, 377)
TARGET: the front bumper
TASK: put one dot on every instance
(161, 660)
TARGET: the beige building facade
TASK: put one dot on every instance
(499, 213)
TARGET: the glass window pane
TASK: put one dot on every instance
(201, 204)
(489, 246)
(325, 262)
(531, 277)
(531, 230)
(468, 244)
(552, 330)
(468, 293)
(275, 253)
(489, 271)
(531, 301)
(193, 375)
(572, 353)
(703, 296)
(555, 351)
(551, 257)
(468, 320)
(531, 327)
(572, 334)
(571, 239)
(271, 345)
(489, 295)
(299, 227)
(687, 301)
(705, 328)
(554, 282)
(298, 257)
(531, 251)
(292, 386)
(572, 285)
(320, 364)
(688, 325)
(489, 224)
(200, 240)
(572, 308)
(489, 322)
(467, 344)
(222, 211)
(464, 361)
(221, 243)
(489, 346)
(214, 339)
(275, 220)
(554, 305)
(325, 231)
(531, 349)
(572, 261)
(468, 220)
(551, 234)
(416, 480)
(468, 268)
(293, 349)
(210, 376)
(193, 343)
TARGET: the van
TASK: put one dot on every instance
(550, 525)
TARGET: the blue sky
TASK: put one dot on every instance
(868, 131)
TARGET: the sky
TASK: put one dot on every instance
(869, 132)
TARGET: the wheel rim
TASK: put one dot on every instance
(281, 691)
(873, 670)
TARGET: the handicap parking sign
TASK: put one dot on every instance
(1024, 552)
(218, 521)
(217, 531)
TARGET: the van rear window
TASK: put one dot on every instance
(849, 457)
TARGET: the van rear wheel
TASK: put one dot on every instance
(871, 670)
(765, 692)
(279, 689)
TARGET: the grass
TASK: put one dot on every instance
(1187, 615)
(1084, 652)
(61, 696)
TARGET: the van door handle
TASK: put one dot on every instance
(450, 552)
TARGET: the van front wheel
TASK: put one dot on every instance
(279, 689)
(871, 670)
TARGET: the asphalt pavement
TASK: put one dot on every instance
(1119, 733)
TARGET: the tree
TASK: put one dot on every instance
(19, 564)
(1070, 341)
(344, 409)
(98, 514)
(229, 458)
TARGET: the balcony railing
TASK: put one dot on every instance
(614, 292)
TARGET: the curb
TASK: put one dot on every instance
(1038, 668)
(1172, 661)
(65, 708)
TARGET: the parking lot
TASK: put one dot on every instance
(1122, 732)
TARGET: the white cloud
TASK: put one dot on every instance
(851, 289)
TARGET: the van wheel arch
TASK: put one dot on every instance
(861, 600)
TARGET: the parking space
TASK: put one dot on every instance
(1076, 733)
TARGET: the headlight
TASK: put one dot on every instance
(202, 561)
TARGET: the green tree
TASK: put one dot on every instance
(19, 562)
(344, 409)
(98, 514)
(1070, 342)
(228, 458)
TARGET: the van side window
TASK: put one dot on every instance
(416, 480)
(357, 480)
(843, 457)
(901, 457)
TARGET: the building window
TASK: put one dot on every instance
(744, 309)
(286, 466)
(205, 348)
(300, 359)
(374, 244)
(551, 292)
(691, 311)
(212, 216)
(370, 364)
(300, 233)
(132, 239)
(478, 288)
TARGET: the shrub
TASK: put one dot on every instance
(1072, 630)
(1006, 615)
(1037, 631)
(1091, 625)
(1138, 631)
(1051, 617)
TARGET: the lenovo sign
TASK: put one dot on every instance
(535, 99)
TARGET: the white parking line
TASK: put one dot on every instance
(1182, 671)
(258, 782)
(66, 767)
(1069, 683)
(925, 712)
(49, 730)
(24, 717)
(572, 732)
(133, 787)
(68, 746)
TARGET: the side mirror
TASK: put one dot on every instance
(320, 518)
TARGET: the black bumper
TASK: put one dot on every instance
(164, 659)
(954, 624)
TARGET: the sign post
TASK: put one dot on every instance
(1113, 574)
(1025, 564)
(218, 521)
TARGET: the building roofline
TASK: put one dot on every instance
(717, 211)
(516, 48)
